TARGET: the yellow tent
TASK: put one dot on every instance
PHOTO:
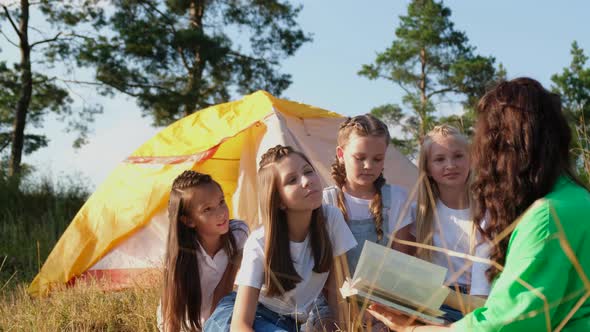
(121, 230)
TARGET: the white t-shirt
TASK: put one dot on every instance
(358, 208)
(479, 281)
(453, 230)
(211, 270)
(298, 301)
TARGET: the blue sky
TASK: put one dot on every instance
(530, 38)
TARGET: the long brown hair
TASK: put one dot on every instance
(520, 148)
(279, 273)
(428, 190)
(361, 125)
(181, 299)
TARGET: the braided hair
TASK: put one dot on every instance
(279, 273)
(181, 300)
(361, 125)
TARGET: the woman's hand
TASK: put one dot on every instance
(393, 320)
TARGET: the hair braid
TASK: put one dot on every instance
(189, 178)
(275, 154)
(376, 206)
(338, 173)
(362, 125)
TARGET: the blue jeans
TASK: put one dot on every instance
(320, 314)
(453, 315)
(264, 320)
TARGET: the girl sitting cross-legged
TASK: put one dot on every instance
(288, 261)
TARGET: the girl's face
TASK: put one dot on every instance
(298, 184)
(207, 211)
(448, 162)
(363, 158)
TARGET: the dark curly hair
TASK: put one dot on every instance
(520, 148)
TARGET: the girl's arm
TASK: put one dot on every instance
(245, 308)
(405, 235)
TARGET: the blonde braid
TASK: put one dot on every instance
(338, 173)
(376, 206)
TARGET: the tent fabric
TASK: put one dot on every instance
(121, 230)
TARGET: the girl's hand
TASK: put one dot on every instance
(393, 320)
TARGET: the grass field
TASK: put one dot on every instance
(32, 218)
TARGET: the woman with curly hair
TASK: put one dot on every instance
(537, 216)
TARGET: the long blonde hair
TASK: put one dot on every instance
(361, 125)
(279, 272)
(428, 191)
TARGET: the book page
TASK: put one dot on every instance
(405, 278)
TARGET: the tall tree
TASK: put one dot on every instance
(27, 96)
(429, 60)
(177, 56)
(573, 84)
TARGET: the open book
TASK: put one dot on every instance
(401, 282)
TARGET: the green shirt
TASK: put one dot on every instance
(536, 256)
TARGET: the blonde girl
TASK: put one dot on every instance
(288, 261)
(443, 215)
(202, 255)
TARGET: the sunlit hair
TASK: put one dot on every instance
(520, 148)
(361, 125)
(428, 191)
(181, 300)
(279, 273)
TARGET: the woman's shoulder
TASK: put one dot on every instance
(569, 196)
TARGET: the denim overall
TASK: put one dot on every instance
(364, 229)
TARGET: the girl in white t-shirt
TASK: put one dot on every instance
(443, 215)
(373, 209)
(287, 262)
(202, 255)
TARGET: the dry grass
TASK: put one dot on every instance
(32, 218)
(84, 307)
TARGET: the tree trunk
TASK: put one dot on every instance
(196, 10)
(423, 100)
(26, 82)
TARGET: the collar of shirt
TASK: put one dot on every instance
(214, 261)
